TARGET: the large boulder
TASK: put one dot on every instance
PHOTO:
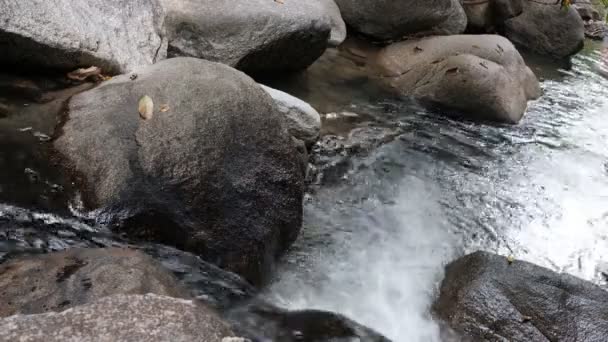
(210, 168)
(255, 36)
(115, 35)
(57, 281)
(547, 29)
(120, 318)
(303, 121)
(485, 16)
(488, 298)
(480, 76)
(392, 20)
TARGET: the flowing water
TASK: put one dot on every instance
(396, 193)
(378, 234)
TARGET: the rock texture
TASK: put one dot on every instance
(115, 35)
(120, 318)
(255, 36)
(259, 321)
(481, 76)
(303, 121)
(57, 281)
(392, 20)
(547, 29)
(488, 16)
(213, 171)
(486, 298)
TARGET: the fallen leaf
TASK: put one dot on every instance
(146, 107)
(510, 259)
(164, 108)
(526, 319)
(84, 73)
(133, 77)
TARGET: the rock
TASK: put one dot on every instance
(486, 16)
(116, 35)
(216, 174)
(547, 29)
(57, 281)
(486, 298)
(587, 11)
(260, 321)
(303, 121)
(338, 27)
(256, 36)
(597, 30)
(120, 318)
(481, 76)
(392, 20)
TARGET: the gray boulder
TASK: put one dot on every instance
(115, 35)
(120, 318)
(255, 36)
(211, 170)
(480, 76)
(547, 29)
(303, 121)
(487, 298)
(485, 16)
(392, 20)
(57, 281)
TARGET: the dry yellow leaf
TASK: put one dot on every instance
(164, 108)
(146, 107)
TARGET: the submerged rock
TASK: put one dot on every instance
(480, 76)
(121, 318)
(392, 20)
(57, 281)
(255, 36)
(303, 121)
(486, 297)
(547, 29)
(116, 35)
(216, 174)
(259, 321)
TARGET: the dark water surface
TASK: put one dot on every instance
(397, 192)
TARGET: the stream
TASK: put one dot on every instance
(396, 192)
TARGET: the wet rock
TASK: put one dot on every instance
(588, 11)
(260, 321)
(485, 297)
(216, 174)
(116, 36)
(487, 16)
(57, 281)
(303, 121)
(597, 30)
(480, 76)
(121, 318)
(214, 286)
(255, 36)
(392, 20)
(547, 29)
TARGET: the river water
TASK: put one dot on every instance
(378, 234)
(396, 192)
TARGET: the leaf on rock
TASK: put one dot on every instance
(164, 108)
(146, 107)
(510, 259)
(83, 73)
(452, 70)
